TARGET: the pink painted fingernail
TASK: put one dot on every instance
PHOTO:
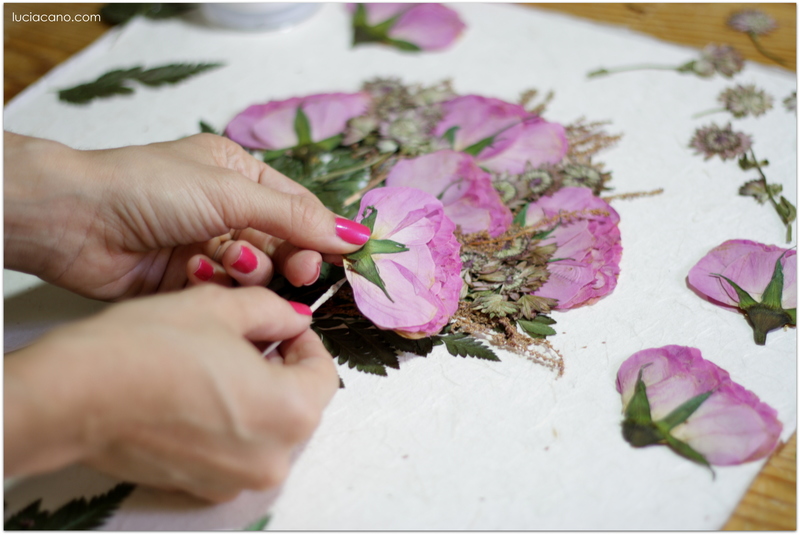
(300, 308)
(316, 275)
(352, 232)
(204, 271)
(246, 262)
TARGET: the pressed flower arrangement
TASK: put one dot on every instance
(485, 217)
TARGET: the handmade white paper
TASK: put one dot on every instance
(449, 443)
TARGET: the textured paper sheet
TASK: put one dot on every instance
(448, 443)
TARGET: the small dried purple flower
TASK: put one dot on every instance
(713, 140)
(752, 21)
(744, 100)
(724, 59)
(790, 102)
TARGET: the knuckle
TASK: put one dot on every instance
(270, 472)
(302, 419)
(308, 215)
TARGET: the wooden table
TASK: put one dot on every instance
(32, 49)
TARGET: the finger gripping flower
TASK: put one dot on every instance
(411, 27)
(672, 396)
(502, 136)
(585, 265)
(407, 278)
(298, 121)
(465, 189)
(759, 280)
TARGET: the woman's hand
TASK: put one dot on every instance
(170, 391)
(122, 222)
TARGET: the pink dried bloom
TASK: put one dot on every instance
(714, 140)
(724, 59)
(750, 265)
(743, 100)
(503, 137)
(693, 407)
(465, 189)
(415, 26)
(760, 280)
(422, 282)
(589, 248)
(752, 21)
(284, 124)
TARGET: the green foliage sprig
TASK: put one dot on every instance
(117, 82)
(77, 514)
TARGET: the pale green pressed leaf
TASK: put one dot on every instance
(536, 329)
(172, 74)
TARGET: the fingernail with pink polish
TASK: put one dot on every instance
(352, 232)
(316, 275)
(300, 308)
(204, 271)
(246, 262)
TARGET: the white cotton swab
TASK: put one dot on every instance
(318, 303)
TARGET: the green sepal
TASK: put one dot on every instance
(686, 451)
(638, 409)
(792, 313)
(302, 128)
(402, 45)
(371, 214)
(476, 148)
(773, 293)
(450, 135)
(537, 329)
(519, 219)
(745, 300)
(682, 412)
(330, 143)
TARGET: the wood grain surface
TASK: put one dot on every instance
(31, 49)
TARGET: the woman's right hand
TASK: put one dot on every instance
(170, 391)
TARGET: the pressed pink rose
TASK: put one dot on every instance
(424, 282)
(738, 274)
(416, 26)
(730, 426)
(274, 125)
(750, 265)
(501, 136)
(465, 190)
(586, 263)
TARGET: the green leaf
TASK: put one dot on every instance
(536, 329)
(418, 346)
(78, 514)
(113, 82)
(681, 413)
(450, 135)
(208, 129)
(259, 524)
(745, 300)
(462, 345)
(302, 127)
(172, 74)
(357, 343)
(786, 211)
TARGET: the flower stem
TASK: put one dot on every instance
(757, 44)
(772, 200)
(643, 67)
(708, 112)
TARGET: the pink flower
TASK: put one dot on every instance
(586, 263)
(466, 190)
(284, 124)
(750, 265)
(730, 425)
(415, 26)
(501, 136)
(423, 281)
